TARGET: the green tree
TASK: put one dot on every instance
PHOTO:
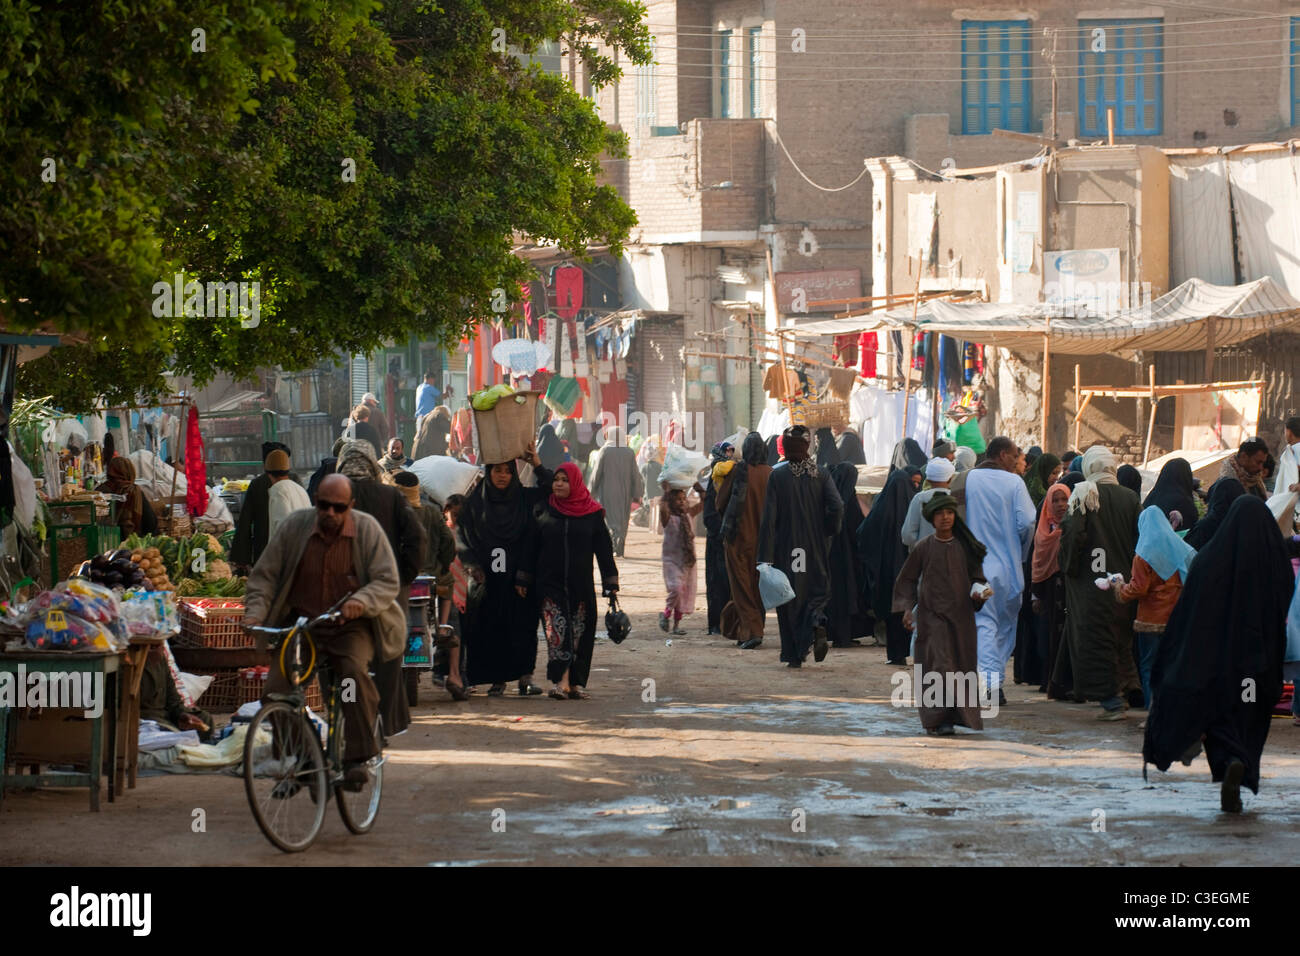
(243, 169)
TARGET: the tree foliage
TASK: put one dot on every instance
(235, 164)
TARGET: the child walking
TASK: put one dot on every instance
(943, 579)
(1160, 566)
(677, 515)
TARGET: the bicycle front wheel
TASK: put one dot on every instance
(284, 776)
(358, 808)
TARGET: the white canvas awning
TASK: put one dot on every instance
(1173, 322)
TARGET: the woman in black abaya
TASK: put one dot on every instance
(1222, 494)
(880, 548)
(1175, 491)
(846, 619)
(495, 533)
(907, 454)
(850, 447)
(828, 455)
(1225, 641)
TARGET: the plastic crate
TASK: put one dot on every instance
(70, 545)
(231, 688)
(214, 623)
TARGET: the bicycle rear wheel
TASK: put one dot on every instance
(358, 808)
(284, 776)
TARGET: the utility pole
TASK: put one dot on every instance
(1051, 58)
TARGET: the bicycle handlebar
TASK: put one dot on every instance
(329, 617)
(333, 616)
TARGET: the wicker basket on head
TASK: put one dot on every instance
(824, 415)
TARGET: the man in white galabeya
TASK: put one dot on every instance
(1000, 513)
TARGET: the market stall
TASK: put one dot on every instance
(1196, 316)
(114, 618)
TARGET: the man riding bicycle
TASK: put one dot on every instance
(313, 561)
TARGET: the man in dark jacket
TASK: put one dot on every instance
(254, 522)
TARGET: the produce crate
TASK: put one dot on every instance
(231, 688)
(212, 623)
(71, 544)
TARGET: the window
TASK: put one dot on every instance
(724, 73)
(1295, 63)
(1121, 67)
(646, 81)
(754, 36)
(550, 57)
(995, 88)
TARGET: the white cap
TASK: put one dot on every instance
(940, 469)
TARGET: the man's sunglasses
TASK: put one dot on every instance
(337, 507)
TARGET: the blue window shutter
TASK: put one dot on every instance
(996, 89)
(1127, 78)
(1295, 54)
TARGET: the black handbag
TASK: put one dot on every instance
(617, 624)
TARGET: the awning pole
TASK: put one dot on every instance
(1209, 349)
(911, 343)
(1078, 409)
(1047, 378)
(1151, 422)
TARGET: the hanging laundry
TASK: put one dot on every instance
(846, 350)
(568, 291)
(782, 389)
(920, 347)
(867, 349)
(614, 392)
(196, 472)
(525, 295)
(841, 382)
(562, 395)
(968, 367)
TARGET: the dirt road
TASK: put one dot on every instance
(735, 760)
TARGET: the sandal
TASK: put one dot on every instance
(577, 693)
(557, 694)
(497, 690)
(531, 690)
(457, 691)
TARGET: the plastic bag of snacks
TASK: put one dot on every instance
(77, 615)
(150, 612)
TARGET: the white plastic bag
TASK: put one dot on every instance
(1283, 506)
(681, 467)
(773, 587)
(196, 684)
(441, 476)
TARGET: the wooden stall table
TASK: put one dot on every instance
(107, 663)
(128, 718)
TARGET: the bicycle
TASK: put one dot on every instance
(283, 756)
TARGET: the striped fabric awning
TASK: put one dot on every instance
(1173, 322)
